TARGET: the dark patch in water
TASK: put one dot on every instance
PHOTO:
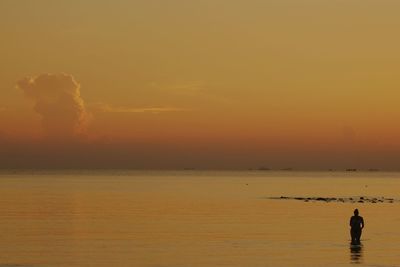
(361, 199)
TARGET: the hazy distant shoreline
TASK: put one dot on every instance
(262, 172)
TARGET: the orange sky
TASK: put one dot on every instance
(208, 84)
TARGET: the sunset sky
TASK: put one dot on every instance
(310, 84)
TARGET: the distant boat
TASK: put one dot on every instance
(351, 170)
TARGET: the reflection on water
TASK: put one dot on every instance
(197, 219)
(356, 253)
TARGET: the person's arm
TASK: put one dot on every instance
(362, 222)
(351, 219)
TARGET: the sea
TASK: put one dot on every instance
(196, 218)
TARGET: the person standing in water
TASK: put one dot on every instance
(356, 224)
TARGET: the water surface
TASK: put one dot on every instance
(194, 218)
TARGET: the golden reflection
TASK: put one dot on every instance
(356, 253)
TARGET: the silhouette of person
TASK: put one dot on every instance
(356, 224)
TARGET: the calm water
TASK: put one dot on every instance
(181, 219)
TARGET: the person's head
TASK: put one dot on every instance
(356, 212)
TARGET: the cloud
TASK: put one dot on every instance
(58, 101)
(195, 90)
(101, 107)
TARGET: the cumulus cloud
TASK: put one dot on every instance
(58, 101)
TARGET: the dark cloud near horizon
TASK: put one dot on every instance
(58, 101)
